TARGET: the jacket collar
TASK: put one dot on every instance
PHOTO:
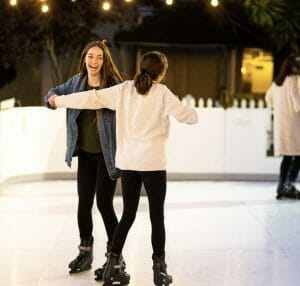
(82, 83)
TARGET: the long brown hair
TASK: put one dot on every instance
(288, 67)
(109, 73)
(152, 65)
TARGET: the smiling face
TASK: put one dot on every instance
(94, 61)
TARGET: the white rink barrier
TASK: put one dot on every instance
(224, 144)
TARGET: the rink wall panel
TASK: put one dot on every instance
(224, 144)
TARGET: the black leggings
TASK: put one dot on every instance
(289, 168)
(155, 186)
(93, 178)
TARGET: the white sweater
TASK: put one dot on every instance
(142, 121)
(285, 100)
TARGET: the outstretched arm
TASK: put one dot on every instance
(179, 110)
(58, 90)
(92, 99)
(79, 100)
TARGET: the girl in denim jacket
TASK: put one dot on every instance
(91, 137)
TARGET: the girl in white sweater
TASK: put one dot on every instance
(143, 106)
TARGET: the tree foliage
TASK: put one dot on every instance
(20, 32)
(265, 13)
(25, 31)
(62, 32)
(280, 19)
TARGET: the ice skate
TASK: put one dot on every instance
(113, 274)
(99, 272)
(84, 259)
(160, 275)
(288, 190)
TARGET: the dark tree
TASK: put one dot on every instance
(61, 32)
(280, 19)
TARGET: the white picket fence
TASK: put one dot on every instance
(210, 102)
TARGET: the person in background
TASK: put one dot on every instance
(143, 106)
(284, 97)
(91, 137)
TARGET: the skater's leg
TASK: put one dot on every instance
(105, 190)
(284, 170)
(155, 185)
(131, 188)
(86, 181)
(294, 169)
(290, 187)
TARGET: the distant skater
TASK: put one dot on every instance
(284, 97)
(91, 137)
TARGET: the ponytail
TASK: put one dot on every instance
(142, 82)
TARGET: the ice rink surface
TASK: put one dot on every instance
(218, 234)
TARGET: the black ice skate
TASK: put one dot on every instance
(293, 191)
(113, 274)
(160, 275)
(99, 272)
(84, 259)
(288, 190)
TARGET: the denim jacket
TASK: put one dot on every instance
(106, 125)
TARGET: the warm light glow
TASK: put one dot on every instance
(106, 6)
(128, 1)
(73, 0)
(256, 70)
(45, 8)
(169, 2)
(13, 2)
(214, 3)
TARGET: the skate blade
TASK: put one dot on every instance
(79, 271)
(115, 283)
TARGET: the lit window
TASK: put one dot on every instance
(256, 70)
